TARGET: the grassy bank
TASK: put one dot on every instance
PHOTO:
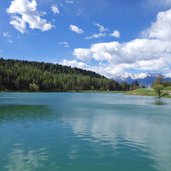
(149, 92)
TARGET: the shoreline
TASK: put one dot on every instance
(69, 91)
(137, 92)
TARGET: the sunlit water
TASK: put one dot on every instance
(84, 132)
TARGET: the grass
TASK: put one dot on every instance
(147, 92)
(168, 88)
(142, 92)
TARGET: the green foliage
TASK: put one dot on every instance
(158, 81)
(167, 84)
(125, 86)
(167, 88)
(158, 86)
(33, 87)
(162, 87)
(18, 75)
(158, 89)
(135, 85)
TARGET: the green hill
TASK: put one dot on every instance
(16, 75)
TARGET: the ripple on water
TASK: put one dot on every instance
(94, 132)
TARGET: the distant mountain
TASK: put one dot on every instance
(145, 79)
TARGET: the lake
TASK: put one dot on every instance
(84, 132)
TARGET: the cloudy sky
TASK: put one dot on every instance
(107, 36)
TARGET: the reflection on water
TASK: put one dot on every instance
(148, 137)
(159, 102)
(84, 131)
(22, 160)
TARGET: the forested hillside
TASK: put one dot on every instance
(18, 75)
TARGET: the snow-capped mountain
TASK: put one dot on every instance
(145, 79)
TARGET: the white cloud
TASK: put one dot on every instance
(101, 34)
(83, 65)
(151, 53)
(55, 9)
(166, 2)
(79, 11)
(115, 34)
(96, 36)
(76, 29)
(23, 12)
(74, 63)
(10, 41)
(6, 34)
(159, 3)
(153, 64)
(143, 54)
(69, 1)
(101, 27)
(64, 44)
(82, 54)
(161, 28)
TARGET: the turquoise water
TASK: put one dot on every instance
(84, 132)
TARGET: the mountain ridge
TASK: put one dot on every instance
(145, 79)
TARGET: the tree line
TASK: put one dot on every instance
(17, 75)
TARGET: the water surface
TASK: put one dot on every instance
(84, 132)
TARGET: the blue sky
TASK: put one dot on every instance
(107, 36)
